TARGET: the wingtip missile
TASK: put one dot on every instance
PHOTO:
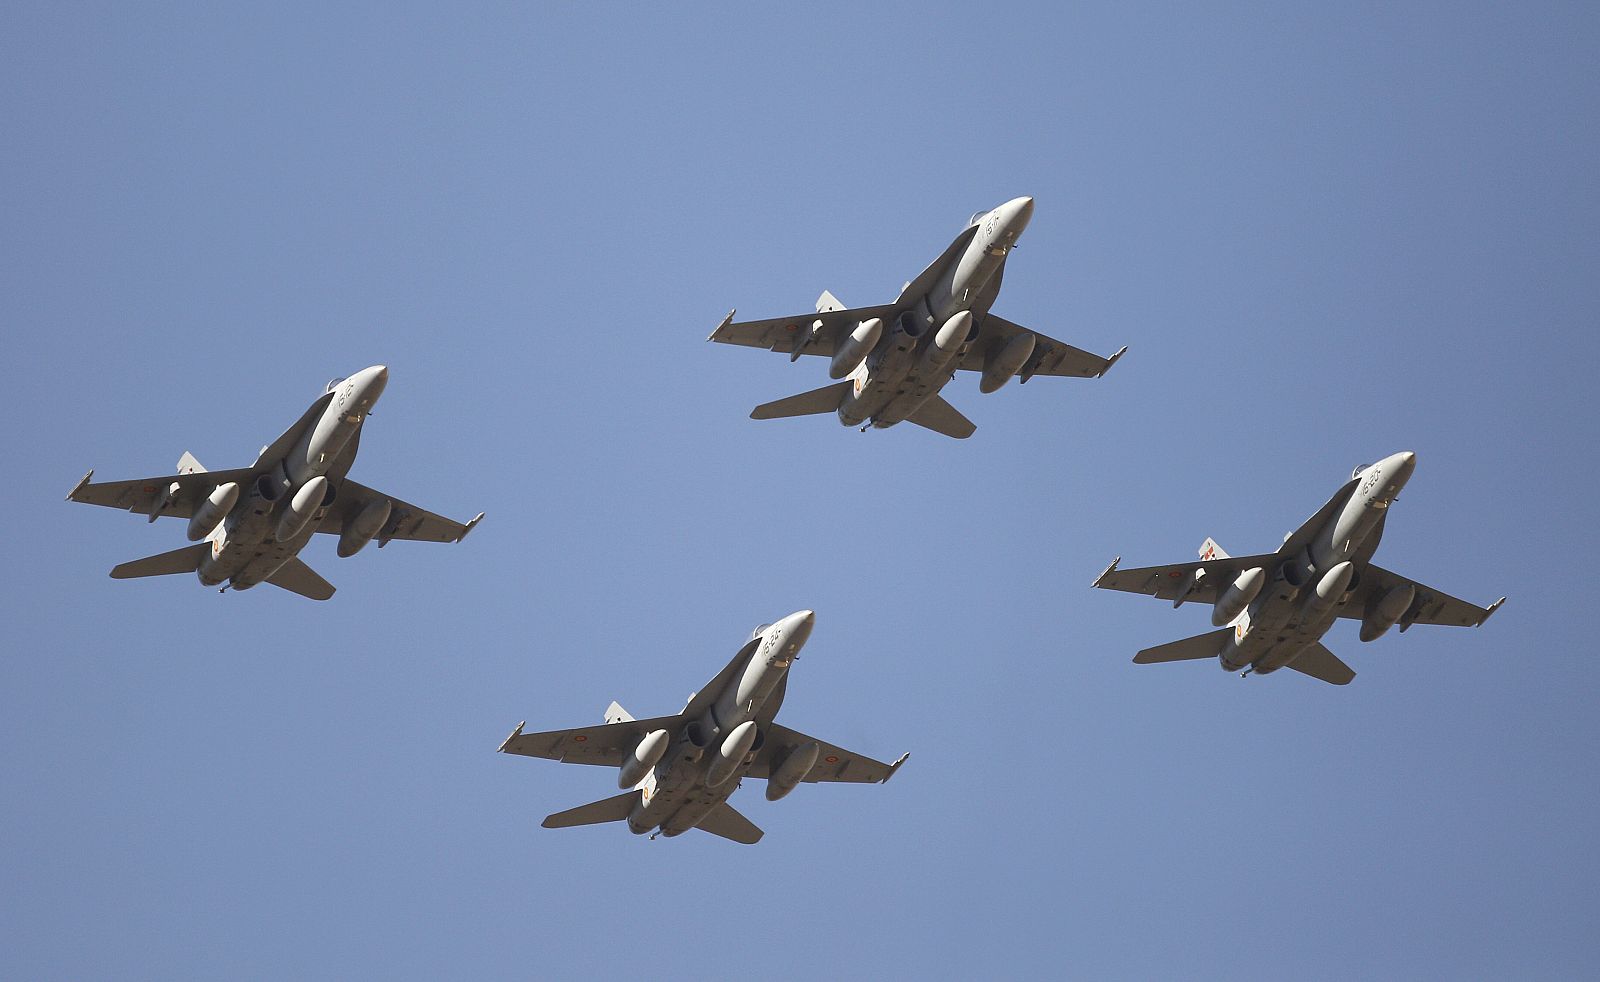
(895, 767)
(465, 531)
(514, 734)
(80, 485)
(725, 322)
(1112, 361)
(1106, 572)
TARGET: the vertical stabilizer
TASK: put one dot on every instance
(616, 714)
(1209, 550)
(188, 465)
(828, 302)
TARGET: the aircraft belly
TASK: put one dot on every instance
(917, 389)
(887, 400)
(1256, 633)
(233, 544)
(698, 801)
(677, 798)
(866, 398)
(270, 555)
(658, 801)
(1272, 637)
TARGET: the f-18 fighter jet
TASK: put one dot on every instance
(895, 358)
(679, 770)
(1274, 609)
(254, 520)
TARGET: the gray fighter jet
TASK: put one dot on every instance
(895, 358)
(254, 520)
(1274, 609)
(679, 770)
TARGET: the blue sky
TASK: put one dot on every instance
(1326, 235)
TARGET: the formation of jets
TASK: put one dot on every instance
(889, 362)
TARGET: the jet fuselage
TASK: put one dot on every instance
(708, 758)
(1300, 600)
(915, 356)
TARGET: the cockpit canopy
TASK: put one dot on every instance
(757, 632)
(1357, 472)
(977, 216)
(333, 384)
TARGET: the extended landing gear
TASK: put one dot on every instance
(865, 427)
(1246, 672)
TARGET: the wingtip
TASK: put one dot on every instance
(1112, 361)
(1105, 572)
(71, 495)
(514, 734)
(895, 767)
(1490, 612)
(725, 322)
(466, 530)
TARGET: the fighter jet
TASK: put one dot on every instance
(254, 520)
(1274, 609)
(679, 770)
(895, 358)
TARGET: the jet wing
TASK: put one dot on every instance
(406, 521)
(833, 763)
(1050, 357)
(1164, 582)
(602, 744)
(140, 495)
(781, 333)
(1432, 606)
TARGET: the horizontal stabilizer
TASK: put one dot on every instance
(1320, 663)
(185, 560)
(188, 465)
(1208, 645)
(823, 400)
(939, 416)
(723, 820)
(616, 714)
(613, 809)
(296, 577)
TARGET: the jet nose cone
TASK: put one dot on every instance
(1017, 213)
(370, 383)
(1404, 463)
(797, 626)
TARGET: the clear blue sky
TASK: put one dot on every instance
(1326, 235)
